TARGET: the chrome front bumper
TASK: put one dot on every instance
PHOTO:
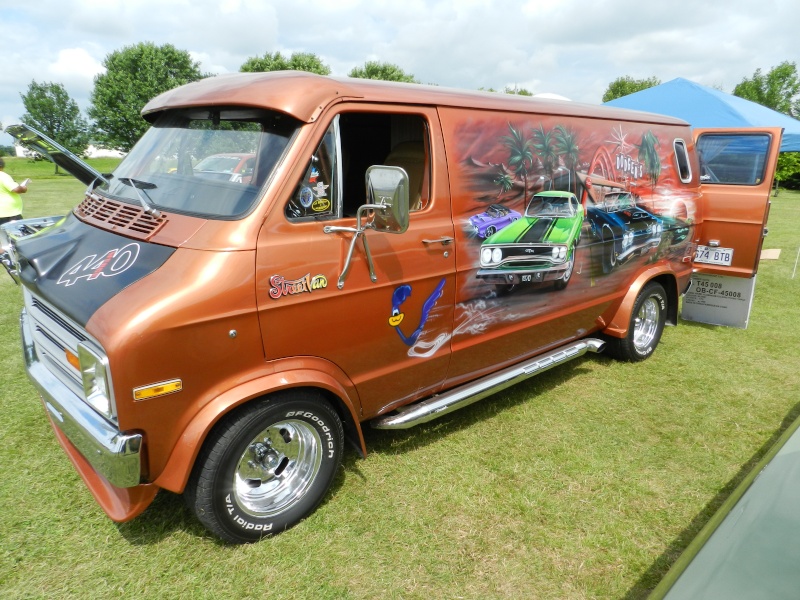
(113, 454)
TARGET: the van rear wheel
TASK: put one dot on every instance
(646, 325)
(266, 467)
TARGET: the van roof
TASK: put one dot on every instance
(305, 96)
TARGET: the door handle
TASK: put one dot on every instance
(444, 241)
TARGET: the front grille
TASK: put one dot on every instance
(54, 335)
(523, 251)
(118, 216)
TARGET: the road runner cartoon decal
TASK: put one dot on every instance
(399, 296)
(80, 268)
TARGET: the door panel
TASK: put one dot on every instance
(390, 336)
(736, 172)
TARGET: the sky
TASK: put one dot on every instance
(573, 48)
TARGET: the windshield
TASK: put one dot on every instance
(209, 163)
(550, 206)
(617, 202)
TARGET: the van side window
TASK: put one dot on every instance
(682, 160)
(736, 159)
(316, 196)
(399, 140)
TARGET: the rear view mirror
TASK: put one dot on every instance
(388, 193)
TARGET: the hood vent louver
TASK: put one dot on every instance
(119, 217)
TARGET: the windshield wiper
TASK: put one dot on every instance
(148, 205)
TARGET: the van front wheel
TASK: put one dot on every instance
(266, 467)
(646, 325)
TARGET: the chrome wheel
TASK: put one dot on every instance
(647, 324)
(277, 467)
(647, 321)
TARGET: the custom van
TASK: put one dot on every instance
(223, 337)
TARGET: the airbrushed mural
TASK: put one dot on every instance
(560, 210)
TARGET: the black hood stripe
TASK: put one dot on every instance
(78, 268)
(537, 232)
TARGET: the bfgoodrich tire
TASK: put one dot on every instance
(266, 467)
(646, 325)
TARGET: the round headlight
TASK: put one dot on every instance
(554, 252)
(562, 252)
(486, 256)
(497, 255)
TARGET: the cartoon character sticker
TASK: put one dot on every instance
(400, 295)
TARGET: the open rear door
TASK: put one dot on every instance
(736, 172)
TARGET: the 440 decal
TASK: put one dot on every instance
(90, 267)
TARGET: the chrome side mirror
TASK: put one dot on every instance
(386, 210)
(388, 196)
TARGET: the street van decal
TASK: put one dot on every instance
(280, 286)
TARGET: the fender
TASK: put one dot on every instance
(619, 323)
(307, 372)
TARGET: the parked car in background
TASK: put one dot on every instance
(538, 247)
(749, 548)
(624, 228)
(493, 220)
(235, 167)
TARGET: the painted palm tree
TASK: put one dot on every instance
(504, 180)
(567, 148)
(544, 145)
(648, 154)
(520, 156)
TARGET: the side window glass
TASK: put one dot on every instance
(682, 160)
(735, 159)
(383, 138)
(316, 195)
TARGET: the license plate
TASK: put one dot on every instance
(714, 256)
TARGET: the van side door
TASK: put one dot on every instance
(736, 173)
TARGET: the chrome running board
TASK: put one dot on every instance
(442, 404)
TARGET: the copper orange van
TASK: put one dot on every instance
(222, 337)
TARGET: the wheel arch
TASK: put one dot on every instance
(618, 325)
(179, 465)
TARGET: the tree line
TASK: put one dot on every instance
(135, 74)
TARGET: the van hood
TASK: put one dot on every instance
(78, 268)
(34, 140)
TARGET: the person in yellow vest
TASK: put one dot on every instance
(10, 200)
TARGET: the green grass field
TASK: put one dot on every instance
(585, 482)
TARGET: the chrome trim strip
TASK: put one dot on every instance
(442, 404)
(113, 454)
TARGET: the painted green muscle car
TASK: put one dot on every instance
(538, 247)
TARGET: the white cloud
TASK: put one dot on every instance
(559, 46)
(75, 63)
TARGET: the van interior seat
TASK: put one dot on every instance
(410, 156)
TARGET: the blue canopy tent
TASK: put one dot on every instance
(702, 106)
